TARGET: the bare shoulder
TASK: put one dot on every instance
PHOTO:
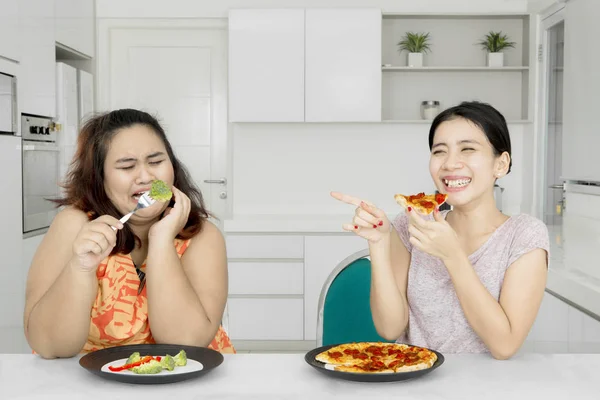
(69, 219)
(210, 236)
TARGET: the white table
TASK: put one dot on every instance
(287, 376)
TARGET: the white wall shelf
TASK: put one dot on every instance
(479, 16)
(427, 122)
(455, 69)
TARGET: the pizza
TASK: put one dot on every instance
(377, 358)
(423, 203)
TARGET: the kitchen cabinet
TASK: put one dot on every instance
(74, 27)
(343, 65)
(581, 83)
(9, 30)
(299, 65)
(266, 275)
(11, 270)
(562, 328)
(37, 79)
(266, 65)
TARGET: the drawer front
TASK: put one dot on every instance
(266, 246)
(266, 278)
(266, 319)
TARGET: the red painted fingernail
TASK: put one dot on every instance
(355, 227)
(375, 226)
(409, 209)
(380, 223)
(437, 209)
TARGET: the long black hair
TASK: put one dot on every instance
(486, 117)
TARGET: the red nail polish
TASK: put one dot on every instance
(409, 209)
(355, 227)
(437, 209)
(375, 226)
(380, 223)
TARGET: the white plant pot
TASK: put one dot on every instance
(415, 59)
(495, 59)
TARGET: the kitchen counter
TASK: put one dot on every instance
(574, 268)
(329, 223)
(288, 376)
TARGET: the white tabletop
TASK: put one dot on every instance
(287, 376)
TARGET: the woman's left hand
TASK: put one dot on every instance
(436, 237)
(174, 219)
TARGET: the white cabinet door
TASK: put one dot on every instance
(12, 273)
(38, 57)
(321, 255)
(9, 30)
(266, 65)
(75, 23)
(66, 114)
(265, 319)
(581, 83)
(343, 65)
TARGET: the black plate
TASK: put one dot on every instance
(353, 376)
(94, 362)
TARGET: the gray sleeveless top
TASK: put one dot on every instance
(436, 319)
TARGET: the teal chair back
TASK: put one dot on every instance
(344, 306)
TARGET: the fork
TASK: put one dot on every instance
(144, 201)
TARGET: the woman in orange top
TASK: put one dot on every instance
(159, 278)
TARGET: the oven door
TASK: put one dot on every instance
(40, 184)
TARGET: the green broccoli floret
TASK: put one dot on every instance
(168, 362)
(180, 359)
(151, 367)
(160, 191)
(135, 357)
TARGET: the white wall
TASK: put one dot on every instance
(291, 168)
(218, 9)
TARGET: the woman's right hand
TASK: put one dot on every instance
(369, 222)
(95, 241)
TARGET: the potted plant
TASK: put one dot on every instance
(494, 43)
(416, 44)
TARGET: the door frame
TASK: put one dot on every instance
(105, 28)
(547, 19)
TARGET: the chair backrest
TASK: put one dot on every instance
(344, 313)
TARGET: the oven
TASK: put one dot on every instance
(40, 173)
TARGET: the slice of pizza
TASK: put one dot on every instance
(344, 354)
(421, 202)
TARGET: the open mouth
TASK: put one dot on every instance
(456, 183)
(136, 196)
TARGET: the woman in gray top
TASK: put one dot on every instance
(467, 280)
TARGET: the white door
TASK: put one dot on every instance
(553, 28)
(180, 75)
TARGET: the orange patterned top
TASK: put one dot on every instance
(120, 315)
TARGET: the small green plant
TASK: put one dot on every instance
(415, 42)
(495, 42)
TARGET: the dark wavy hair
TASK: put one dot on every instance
(486, 117)
(84, 183)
